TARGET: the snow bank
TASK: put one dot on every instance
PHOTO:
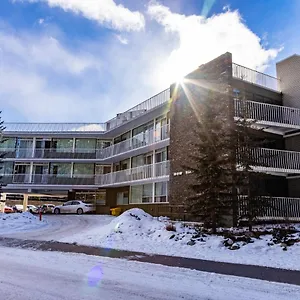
(10, 223)
(136, 230)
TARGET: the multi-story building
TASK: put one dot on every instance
(138, 157)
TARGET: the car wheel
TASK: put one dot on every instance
(57, 211)
(79, 211)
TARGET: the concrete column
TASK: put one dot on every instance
(31, 172)
(25, 202)
(33, 146)
(153, 175)
(74, 144)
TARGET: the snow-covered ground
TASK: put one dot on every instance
(138, 231)
(10, 223)
(34, 275)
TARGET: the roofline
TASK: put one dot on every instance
(289, 57)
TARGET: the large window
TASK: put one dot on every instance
(62, 145)
(122, 198)
(83, 170)
(161, 128)
(8, 143)
(141, 193)
(85, 145)
(7, 168)
(161, 155)
(161, 192)
(60, 169)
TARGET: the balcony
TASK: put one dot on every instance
(276, 161)
(139, 109)
(139, 141)
(255, 77)
(143, 173)
(156, 171)
(269, 114)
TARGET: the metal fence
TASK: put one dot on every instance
(139, 109)
(152, 171)
(255, 77)
(276, 208)
(269, 114)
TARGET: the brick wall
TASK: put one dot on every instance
(211, 76)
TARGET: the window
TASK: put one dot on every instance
(161, 155)
(60, 169)
(122, 198)
(141, 193)
(161, 192)
(8, 143)
(62, 145)
(85, 145)
(83, 169)
(137, 161)
(147, 193)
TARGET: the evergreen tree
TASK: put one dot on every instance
(212, 164)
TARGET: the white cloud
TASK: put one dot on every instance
(122, 39)
(38, 51)
(105, 12)
(202, 39)
(41, 80)
(41, 21)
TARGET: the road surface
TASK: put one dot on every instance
(35, 275)
(60, 226)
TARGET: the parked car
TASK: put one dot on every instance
(74, 207)
(47, 208)
(8, 210)
(32, 209)
(18, 208)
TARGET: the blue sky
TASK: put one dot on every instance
(86, 60)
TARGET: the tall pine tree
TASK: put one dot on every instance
(211, 162)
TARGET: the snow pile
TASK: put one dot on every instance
(138, 231)
(14, 222)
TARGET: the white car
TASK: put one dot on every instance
(74, 207)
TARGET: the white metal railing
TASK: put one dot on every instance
(255, 77)
(273, 160)
(139, 109)
(268, 113)
(139, 173)
(152, 171)
(140, 140)
(274, 208)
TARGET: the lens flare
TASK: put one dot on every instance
(95, 276)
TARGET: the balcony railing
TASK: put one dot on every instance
(255, 77)
(138, 141)
(139, 109)
(269, 114)
(152, 171)
(278, 161)
(278, 209)
(139, 173)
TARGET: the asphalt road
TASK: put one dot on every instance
(37, 275)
